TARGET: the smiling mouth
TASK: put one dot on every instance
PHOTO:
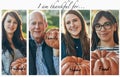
(51, 37)
(104, 35)
(11, 28)
(37, 31)
(73, 29)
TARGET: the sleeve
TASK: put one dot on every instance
(6, 61)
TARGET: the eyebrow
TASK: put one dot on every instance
(75, 18)
(104, 22)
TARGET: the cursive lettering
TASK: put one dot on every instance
(66, 4)
(73, 69)
(103, 69)
(17, 68)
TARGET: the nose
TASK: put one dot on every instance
(72, 24)
(37, 25)
(11, 24)
(102, 28)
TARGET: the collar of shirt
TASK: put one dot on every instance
(38, 45)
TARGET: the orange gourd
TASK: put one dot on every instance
(19, 67)
(72, 65)
(104, 62)
(52, 38)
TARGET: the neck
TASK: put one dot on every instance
(76, 37)
(10, 36)
(38, 40)
(107, 44)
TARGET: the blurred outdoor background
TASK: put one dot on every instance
(23, 16)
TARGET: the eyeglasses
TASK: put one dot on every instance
(106, 25)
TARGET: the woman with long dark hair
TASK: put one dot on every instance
(105, 32)
(75, 41)
(13, 43)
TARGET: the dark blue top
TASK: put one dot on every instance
(78, 48)
(47, 55)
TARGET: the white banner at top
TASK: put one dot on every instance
(60, 4)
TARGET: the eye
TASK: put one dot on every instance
(68, 22)
(40, 23)
(97, 25)
(15, 22)
(9, 21)
(107, 24)
(33, 23)
(74, 20)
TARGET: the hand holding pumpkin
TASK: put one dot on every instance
(19, 67)
(72, 65)
(104, 62)
(52, 38)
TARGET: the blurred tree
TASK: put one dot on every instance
(86, 14)
(52, 17)
(23, 15)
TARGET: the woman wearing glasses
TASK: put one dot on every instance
(105, 45)
(105, 32)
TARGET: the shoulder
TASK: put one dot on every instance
(6, 56)
(5, 52)
(46, 47)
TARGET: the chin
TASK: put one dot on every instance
(10, 32)
(75, 34)
(104, 39)
(36, 36)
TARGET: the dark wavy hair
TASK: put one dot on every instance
(85, 41)
(111, 18)
(18, 40)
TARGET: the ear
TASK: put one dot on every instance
(115, 27)
(46, 25)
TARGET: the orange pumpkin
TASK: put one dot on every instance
(72, 65)
(104, 63)
(52, 38)
(19, 67)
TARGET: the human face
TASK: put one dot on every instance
(10, 24)
(73, 25)
(106, 34)
(37, 25)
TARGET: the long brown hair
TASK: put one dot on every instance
(85, 41)
(18, 40)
